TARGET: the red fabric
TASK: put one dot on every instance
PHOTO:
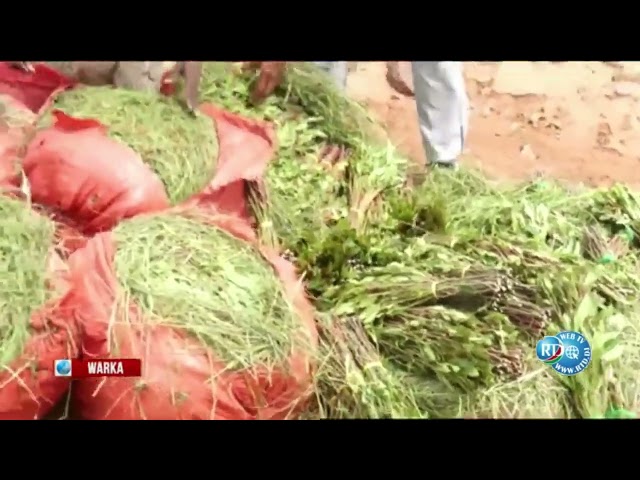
(36, 90)
(245, 147)
(182, 379)
(76, 170)
(28, 386)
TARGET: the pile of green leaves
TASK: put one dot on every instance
(186, 273)
(304, 194)
(559, 274)
(388, 274)
(453, 282)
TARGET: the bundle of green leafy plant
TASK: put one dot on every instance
(188, 274)
(536, 393)
(26, 239)
(352, 379)
(435, 323)
(543, 254)
(180, 148)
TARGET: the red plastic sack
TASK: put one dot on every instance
(35, 90)
(177, 370)
(94, 182)
(245, 147)
(76, 170)
(28, 386)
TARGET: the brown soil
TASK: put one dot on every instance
(576, 121)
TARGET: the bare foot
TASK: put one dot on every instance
(332, 154)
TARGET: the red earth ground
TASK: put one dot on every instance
(575, 121)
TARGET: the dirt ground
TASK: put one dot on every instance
(575, 121)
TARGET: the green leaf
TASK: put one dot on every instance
(429, 353)
(600, 340)
(588, 308)
(613, 354)
(618, 321)
(590, 279)
(473, 373)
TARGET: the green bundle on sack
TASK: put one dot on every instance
(203, 280)
(180, 149)
(25, 241)
(218, 326)
(36, 325)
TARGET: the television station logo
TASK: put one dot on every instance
(62, 368)
(568, 353)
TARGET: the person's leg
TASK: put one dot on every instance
(337, 70)
(443, 109)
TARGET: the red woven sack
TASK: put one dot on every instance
(76, 170)
(28, 386)
(182, 379)
(35, 90)
(245, 148)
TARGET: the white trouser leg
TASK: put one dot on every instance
(337, 70)
(443, 108)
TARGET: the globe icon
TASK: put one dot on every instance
(572, 352)
(63, 367)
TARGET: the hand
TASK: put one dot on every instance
(331, 154)
(270, 77)
(395, 80)
(24, 66)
